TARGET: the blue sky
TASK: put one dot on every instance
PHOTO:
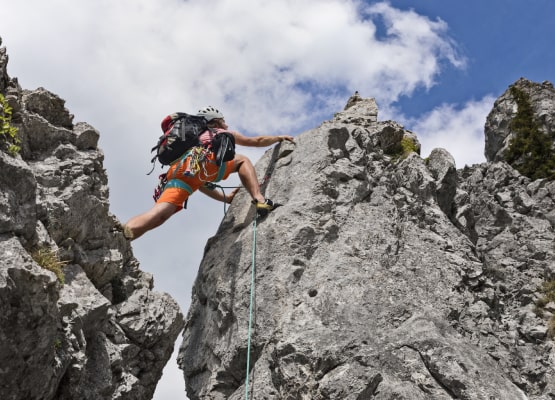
(435, 66)
(502, 41)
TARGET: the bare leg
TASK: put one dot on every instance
(151, 219)
(247, 174)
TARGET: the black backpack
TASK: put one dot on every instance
(181, 133)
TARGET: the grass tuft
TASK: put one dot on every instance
(548, 291)
(48, 259)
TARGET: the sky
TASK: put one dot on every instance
(279, 67)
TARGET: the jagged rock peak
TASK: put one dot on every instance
(358, 109)
(95, 329)
(382, 276)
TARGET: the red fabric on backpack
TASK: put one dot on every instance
(167, 123)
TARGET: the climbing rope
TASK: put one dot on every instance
(213, 186)
(253, 268)
(265, 180)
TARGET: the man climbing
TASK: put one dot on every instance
(192, 172)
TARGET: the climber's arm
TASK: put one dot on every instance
(217, 194)
(259, 141)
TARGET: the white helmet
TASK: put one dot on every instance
(209, 113)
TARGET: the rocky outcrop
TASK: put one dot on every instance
(498, 131)
(381, 276)
(102, 333)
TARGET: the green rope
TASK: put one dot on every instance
(213, 186)
(251, 307)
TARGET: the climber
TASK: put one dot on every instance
(181, 183)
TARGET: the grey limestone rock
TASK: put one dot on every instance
(442, 166)
(103, 333)
(497, 128)
(49, 106)
(381, 276)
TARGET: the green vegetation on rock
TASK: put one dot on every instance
(530, 150)
(48, 259)
(403, 148)
(548, 292)
(9, 139)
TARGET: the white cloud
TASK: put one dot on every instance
(269, 66)
(253, 58)
(459, 130)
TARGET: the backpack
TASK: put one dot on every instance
(223, 146)
(181, 132)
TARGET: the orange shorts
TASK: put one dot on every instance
(180, 185)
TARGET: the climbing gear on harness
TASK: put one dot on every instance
(195, 161)
(195, 158)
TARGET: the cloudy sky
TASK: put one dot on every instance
(279, 67)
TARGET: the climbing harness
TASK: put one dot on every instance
(253, 268)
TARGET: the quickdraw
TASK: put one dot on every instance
(197, 155)
(162, 181)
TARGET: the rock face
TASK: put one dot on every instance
(382, 276)
(103, 333)
(497, 130)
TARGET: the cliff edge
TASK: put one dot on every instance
(78, 318)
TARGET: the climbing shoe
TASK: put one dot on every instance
(262, 209)
(127, 232)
